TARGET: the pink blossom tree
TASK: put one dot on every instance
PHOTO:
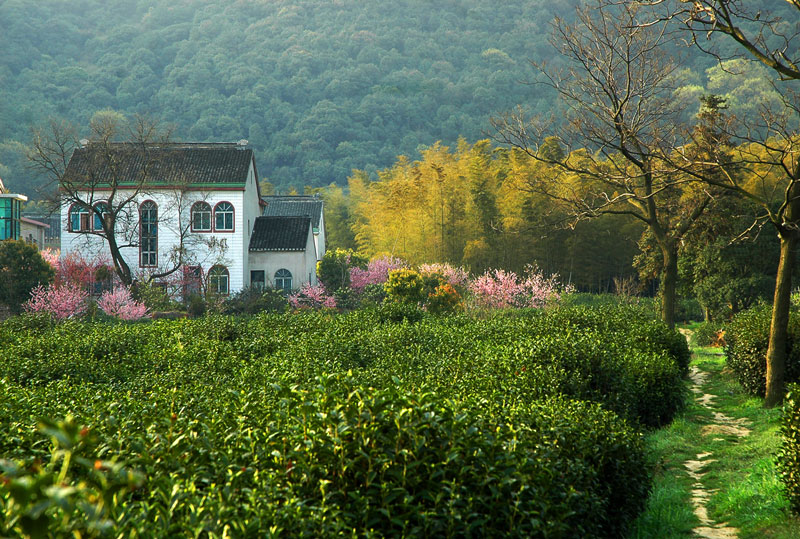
(311, 297)
(74, 270)
(499, 289)
(120, 304)
(377, 272)
(61, 301)
(456, 277)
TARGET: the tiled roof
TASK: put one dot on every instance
(172, 163)
(293, 206)
(280, 234)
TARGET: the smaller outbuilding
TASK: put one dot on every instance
(282, 252)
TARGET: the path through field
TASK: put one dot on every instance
(717, 427)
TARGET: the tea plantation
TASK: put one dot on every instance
(374, 423)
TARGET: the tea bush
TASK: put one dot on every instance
(371, 423)
(747, 340)
(788, 460)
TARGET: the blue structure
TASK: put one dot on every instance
(10, 207)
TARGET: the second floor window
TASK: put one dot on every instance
(100, 209)
(79, 219)
(148, 234)
(201, 217)
(223, 217)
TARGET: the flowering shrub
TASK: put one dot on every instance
(445, 299)
(405, 285)
(74, 270)
(455, 277)
(120, 304)
(51, 256)
(377, 272)
(60, 301)
(499, 289)
(314, 297)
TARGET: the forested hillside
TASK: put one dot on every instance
(319, 88)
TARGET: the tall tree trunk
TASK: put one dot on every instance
(779, 326)
(669, 282)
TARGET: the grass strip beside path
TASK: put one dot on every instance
(740, 478)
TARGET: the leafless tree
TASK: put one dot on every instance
(758, 159)
(617, 89)
(767, 147)
(108, 191)
(760, 33)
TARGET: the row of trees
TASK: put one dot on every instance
(618, 87)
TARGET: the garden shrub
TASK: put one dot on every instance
(788, 460)
(254, 300)
(709, 333)
(747, 340)
(399, 312)
(196, 306)
(444, 299)
(405, 286)
(410, 464)
(22, 269)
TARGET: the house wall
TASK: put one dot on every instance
(174, 213)
(251, 211)
(319, 239)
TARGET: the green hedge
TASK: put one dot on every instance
(322, 424)
(789, 454)
(747, 339)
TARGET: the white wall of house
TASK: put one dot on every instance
(319, 237)
(251, 210)
(174, 213)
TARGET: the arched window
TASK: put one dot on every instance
(223, 217)
(219, 280)
(148, 234)
(101, 208)
(283, 280)
(201, 217)
(78, 219)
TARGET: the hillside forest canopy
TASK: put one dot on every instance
(318, 88)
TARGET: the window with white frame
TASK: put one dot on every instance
(257, 279)
(101, 213)
(79, 219)
(223, 217)
(219, 280)
(201, 217)
(283, 280)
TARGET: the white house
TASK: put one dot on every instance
(194, 210)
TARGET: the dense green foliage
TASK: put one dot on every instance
(22, 269)
(320, 424)
(318, 88)
(789, 455)
(747, 339)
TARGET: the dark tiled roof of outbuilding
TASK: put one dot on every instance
(179, 163)
(294, 206)
(280, 234)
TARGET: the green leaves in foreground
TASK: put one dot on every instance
(72, 493)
